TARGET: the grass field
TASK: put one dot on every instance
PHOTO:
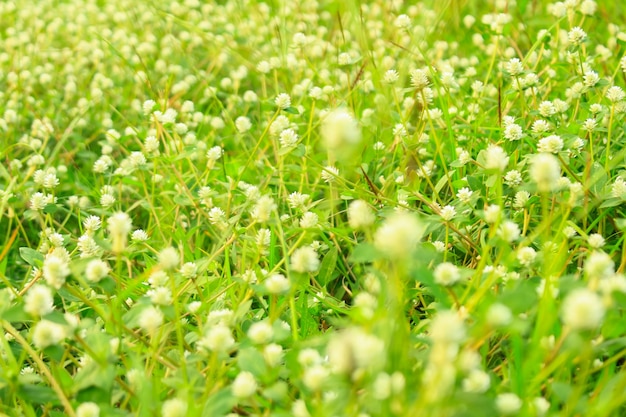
(312, 208)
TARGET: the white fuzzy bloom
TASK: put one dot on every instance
(550, 144)
(273, 354)
(398, 235)
(576, 36)
(282, 101)
(315, 376)
(288, 138)
(615, 94)
(309, 220)
(39, 300)
(509, 231)
(360, 215)
(447, 274)
(160, 296)
(476, 382)
(496, 158)
(329, 174)
(499, 315)
(96, 270)
(599, 265)
(596, 240)
(582, 310)
(508, 403)
(169, 258)
(219, 338)
(243, 124)
(514, 67)
(244, 385)
(340, 129)
(47, 333)
(447, 327)
(150, 319)
(526, 255)
(174, 407)
(189, 270)
(119, 225)
(88, 409)
(55, 270)
(277, 284)
(545, 171)
(261, 332)
(305, 259)
(263, 209)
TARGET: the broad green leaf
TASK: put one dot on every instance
(327, 267)
(31, 256)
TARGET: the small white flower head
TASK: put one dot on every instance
(492, 213)
(509, 231)
(244, 385)
(550, 144)
(402, 21)
(160, 296)
(526, 255)
(88, 409)
(447, 274)
(576, 36)
(243, 124)
(219, 339)
(599, 265)
(360, 215)
(92, 224)
(309, 220)
(169, 258)
(47, 333)
(315, 376)
(391, 76)
(615, 94)
(541, 406)
(496, 158)
(514, 67)
(545, 171)
(447, 213)
(465, 195)
(263, 209)
(282, 101)
(419, 79)
(277, 284)
(55, 270)
(447, 327)
(582, 309)
(261, 332)
(508, 403)
(174, 407)
(596, 241)
(39, 300)
(398, 235)
(521, 198)
(329, 174)
(189, 270)
(288, 138)
(476, 382)
(96, 270)
(618, 188)
(499, 315)
(273, 354)
(339, 129)
(150, 319)
(513, 132)
(119, 225)
(214, 153)
(305, 259)
(139, 235)
(587, 7)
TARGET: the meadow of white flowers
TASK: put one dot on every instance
(312, 208)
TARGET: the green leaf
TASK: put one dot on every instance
(38, 394)
(31, 256)
(364, 252)
(251, 360)
(219, 403)
(327, 267)
(291, 110)
(51, 208)
(182, 200)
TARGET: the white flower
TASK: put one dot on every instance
(496, 158)
(315, 376)
(277, 284)
(174, 407)
(509, 231)
(150, 319)
(244, 385)
(283, 100)
(96, 270)
(288, 138)
(243, 124)
(447, 328)
(582, 310)
(119, 225)
(596, 240)
(398, 235)
(88, 409)
(476, 382)
(360, 215)
(38, 300)
(526, 255)
(55, 270)
(305, 259)
(499, 315)
(576, 36)
(545, 171)
(263, 209)
(261, 332)
(508, 403)
(447, 274)
(219, 338)
(47, 333)
(340, 129)
(169, 258)
(309, 220)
